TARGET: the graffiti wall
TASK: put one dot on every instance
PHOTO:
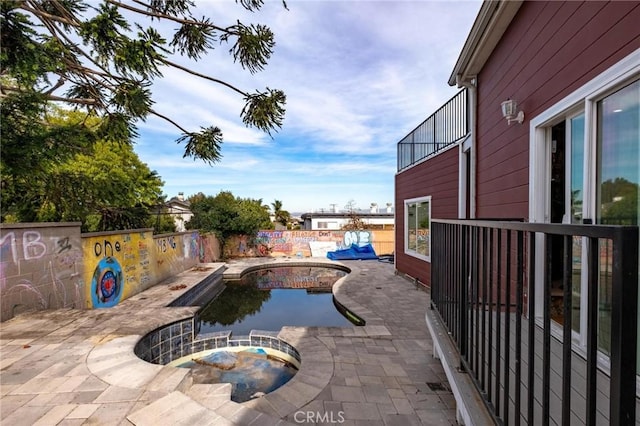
(41, 267)
(309, 243)
(209, 248)
(119, 264)
(175, 253)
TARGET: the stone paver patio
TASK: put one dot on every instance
(77, 367)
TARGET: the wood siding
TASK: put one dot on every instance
(436, 177)
(550, 50)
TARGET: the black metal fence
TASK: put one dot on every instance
(448, 125)
(531, 368)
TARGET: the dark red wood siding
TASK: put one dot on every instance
(437, 177)
(549, 50)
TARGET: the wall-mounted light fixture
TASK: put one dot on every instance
(510, 111)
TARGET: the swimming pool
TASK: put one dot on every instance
(234, 338)
(273, 297)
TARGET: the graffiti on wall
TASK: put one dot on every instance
(117, 266)
(209, 248)
(298, 243)
(53, 266)
(175, 253)
(40, 268)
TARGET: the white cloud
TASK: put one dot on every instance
(358, 75)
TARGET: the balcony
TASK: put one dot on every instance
(445, 127)
(536, 355)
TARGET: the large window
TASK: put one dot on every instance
(417, 227)
(601, 176)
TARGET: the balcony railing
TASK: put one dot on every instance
(448, 125)
(523, 353)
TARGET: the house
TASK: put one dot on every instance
(518, 205)
(335, 220)
(180, 210)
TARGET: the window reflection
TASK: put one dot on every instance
(618, 184)
(619, 157)
(418, 223)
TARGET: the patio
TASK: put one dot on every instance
(68, 367)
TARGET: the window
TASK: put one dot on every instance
(618, 158)
(601, 176)
(417, 221)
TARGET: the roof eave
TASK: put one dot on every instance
(492, 21)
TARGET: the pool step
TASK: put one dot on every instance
(201, 405)
(217, 397)
(175, 408)
(211, 396)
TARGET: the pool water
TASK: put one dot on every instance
(268, 299)
(251, 372)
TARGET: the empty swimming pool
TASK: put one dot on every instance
(270, 298)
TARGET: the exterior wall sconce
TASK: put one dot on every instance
(509, 108)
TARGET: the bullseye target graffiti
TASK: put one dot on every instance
(106, 284)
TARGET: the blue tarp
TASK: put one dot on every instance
(355, 252)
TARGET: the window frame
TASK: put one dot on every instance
(407, 250)
(583, 100)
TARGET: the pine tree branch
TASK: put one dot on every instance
(44, 16)
(163, 16)
(164, 117)
(204, 76)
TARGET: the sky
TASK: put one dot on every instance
(358, 76)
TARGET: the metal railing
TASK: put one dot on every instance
(448, 125)
(483, 276)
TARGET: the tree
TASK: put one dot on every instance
(111, 182)
(226, 215)
(102, 184)
(162, 221)
(105, 64)
(619, 198)
(31, 142)
(355, 222)
(281, 216)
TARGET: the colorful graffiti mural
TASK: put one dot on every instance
(117, 265)
(121, 264)
(303, 243)
(52, 265)
(40, 267)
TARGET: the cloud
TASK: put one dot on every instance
(358, 75)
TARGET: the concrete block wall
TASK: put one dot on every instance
(41, 267)
(54, 266)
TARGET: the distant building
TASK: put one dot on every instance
(180, 210)
(336, 220)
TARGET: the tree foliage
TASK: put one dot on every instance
(110, 182)
(355, 221)
(102, 184)
(619, 199)
(94, 58)
(282, 217)
(226, 215)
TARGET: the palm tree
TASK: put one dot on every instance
(280, 216)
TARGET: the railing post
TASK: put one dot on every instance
(464, 291)
(622, 394)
